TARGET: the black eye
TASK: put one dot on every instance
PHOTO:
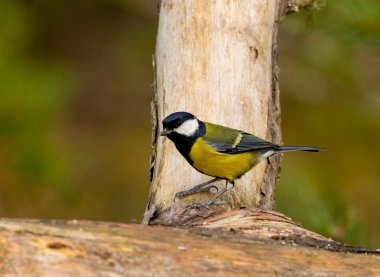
(177, 123)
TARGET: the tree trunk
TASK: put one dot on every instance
(217, 60)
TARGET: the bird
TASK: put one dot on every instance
(218, 151)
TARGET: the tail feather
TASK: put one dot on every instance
(300, 148)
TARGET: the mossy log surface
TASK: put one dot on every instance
(241, 243)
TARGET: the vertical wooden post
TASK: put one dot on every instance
(217, 60)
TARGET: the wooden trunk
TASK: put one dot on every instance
(217, 60)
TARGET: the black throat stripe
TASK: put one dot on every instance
(185, 143)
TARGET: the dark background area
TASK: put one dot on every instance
(75, 86)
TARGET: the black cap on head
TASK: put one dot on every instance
(174, 120)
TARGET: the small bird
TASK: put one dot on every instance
(221, 152)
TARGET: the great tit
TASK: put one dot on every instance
(221, 152)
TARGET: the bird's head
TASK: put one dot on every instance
(180, 123)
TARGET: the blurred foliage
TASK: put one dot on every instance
(74, 111)
(330, 92)
(75, 85)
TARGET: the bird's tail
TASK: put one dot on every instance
(300, 148)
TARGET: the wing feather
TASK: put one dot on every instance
(231, 141)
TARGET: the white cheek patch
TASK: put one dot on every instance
(188, 128)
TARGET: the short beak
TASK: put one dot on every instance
(165, 132)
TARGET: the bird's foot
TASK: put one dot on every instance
(205, 204)
(198, 188)
(184, 193)
(181, 194)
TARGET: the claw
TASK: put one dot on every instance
(180, 194)
(212, 201)
(198, 188)
(215, 188)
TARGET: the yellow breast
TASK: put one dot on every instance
(227, 166)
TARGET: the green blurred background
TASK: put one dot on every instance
(75, 86)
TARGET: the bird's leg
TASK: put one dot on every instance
(198, 188)
(212, 199)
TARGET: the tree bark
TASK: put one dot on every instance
(249, 243)
(217, 60)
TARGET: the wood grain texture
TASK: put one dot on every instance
(215, 59)
(245, 243)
